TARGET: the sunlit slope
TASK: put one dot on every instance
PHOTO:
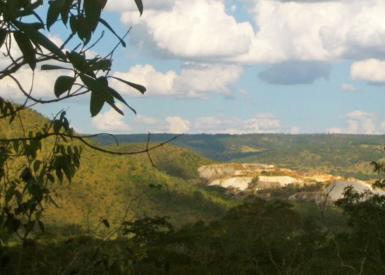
(26, 120)
(117, 187)
(122, 187)
(345, 155)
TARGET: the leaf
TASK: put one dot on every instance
(26, 48)
(74, 24)
(102, 64)
(3, 36)
(63, 84)
(39, 38)
(54, 10)
(65, 11)
(116, 108)
(116, 95)
(138, 87)
(97, 102)
(47, 67)
(139, 4)
(93, 11)
(80, 63)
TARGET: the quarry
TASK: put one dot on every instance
(255, 177)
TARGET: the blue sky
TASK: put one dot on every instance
(247, 66)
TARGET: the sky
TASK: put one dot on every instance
(246, 66)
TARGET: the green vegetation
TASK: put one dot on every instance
(122, 215)
(344, 155)
(68, 206)
(114, 187)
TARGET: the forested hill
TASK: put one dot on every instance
(345, 155)
(114, 187)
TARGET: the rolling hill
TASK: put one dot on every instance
(126, 187)
(344, 155)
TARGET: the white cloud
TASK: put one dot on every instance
(119, 6)
(260, 123)
(177, 125)
(42, 88)
(316, 31)
(359, 122)
(192, 81)
(111, 122)
(346, 87)
(196, 29)
(369, 70)
(285, 30)
(43, 81)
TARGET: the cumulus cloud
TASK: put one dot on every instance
(316, 31)
(197, 29)
(260, 123)
(177, 125)
(291, 73)
(110, 122)
(301, 30)
(192, 81)
(369, 70)
(359, 122)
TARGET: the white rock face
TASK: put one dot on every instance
(336, 190)
(240, 183)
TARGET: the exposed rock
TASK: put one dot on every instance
(255, 177)
(241, 183)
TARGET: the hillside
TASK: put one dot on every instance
(124, 187)
(342, 155)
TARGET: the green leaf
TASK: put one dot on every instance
(139, 4)
(63, 84)
(3, 36)
(11, 9)
(102, 64)
(93, 11)
(47, 67)
(138, 87)
(26, 48)
(80, 63)
(74, 23)
(65, 11)
(84, 30)
(39, 38)
(116, 95)
(54, 10)
(97, 102)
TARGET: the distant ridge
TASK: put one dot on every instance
(340, 154)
